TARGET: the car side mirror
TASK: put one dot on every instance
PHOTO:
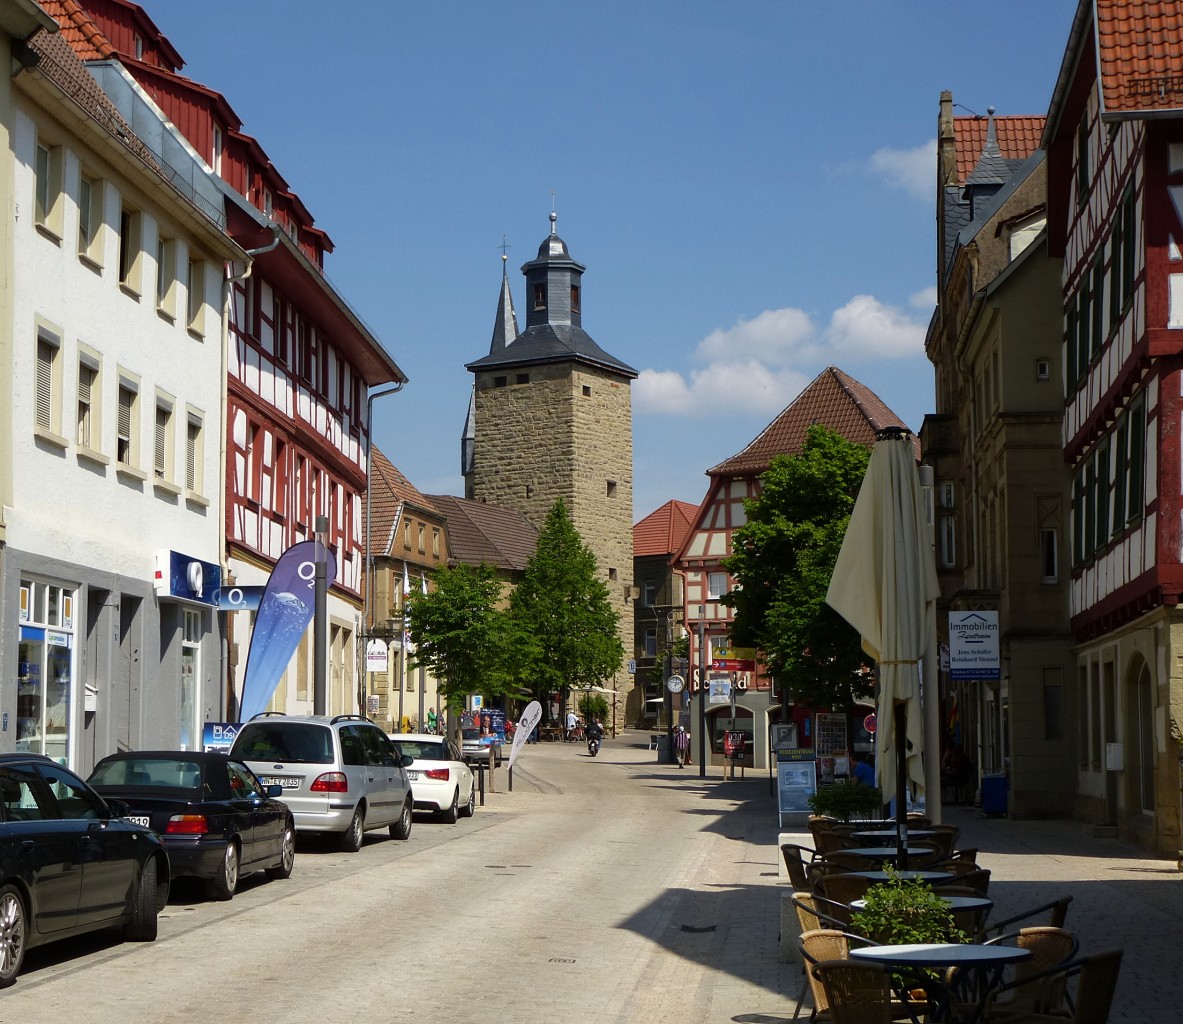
(118, 808)
(406, 760)
(274, 791)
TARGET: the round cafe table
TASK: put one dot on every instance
(888, 853)
(980, 966)
(955, 903)
(874, 835)
(908, 876)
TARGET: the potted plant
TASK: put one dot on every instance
(846, 800)
(901, 911)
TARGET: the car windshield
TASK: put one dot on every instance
(423, 751)
(148, 772)
(295, 742)
(471, 735)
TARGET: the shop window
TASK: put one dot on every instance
(45, 643)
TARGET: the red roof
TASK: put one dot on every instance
(662, 532)
(835, 400)
(79, 30)
(1018, 137)
(388, 490)
(1141, 50)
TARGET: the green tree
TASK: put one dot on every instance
(564, 630)
(459, 632)
(783, 559)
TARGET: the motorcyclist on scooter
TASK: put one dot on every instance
(595, 734)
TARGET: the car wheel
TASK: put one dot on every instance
(12, 934)
(469, 809)
(351, 838)
(401, 829)
(223, 884)
(287, 854)
(142, 926)
(449, 816)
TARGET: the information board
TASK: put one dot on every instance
(796, 782)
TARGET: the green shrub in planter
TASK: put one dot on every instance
(846, 800)
(899, 911)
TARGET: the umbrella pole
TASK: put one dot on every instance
(901, 783)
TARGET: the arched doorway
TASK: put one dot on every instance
(1139, 740)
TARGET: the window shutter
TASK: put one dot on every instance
(191, 457)
(161, 436)
(45, 354)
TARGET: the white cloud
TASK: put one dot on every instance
(866, 327)
(772, 336)
(760, 365)
(913, 170)
(925, 299)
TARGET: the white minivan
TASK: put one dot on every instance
(339, 775)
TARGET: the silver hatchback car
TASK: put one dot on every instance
(339, 775)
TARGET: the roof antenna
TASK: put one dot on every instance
(967, 110)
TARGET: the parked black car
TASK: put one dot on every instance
(69, 863)
(218, 822)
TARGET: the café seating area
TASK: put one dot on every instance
(861, 965)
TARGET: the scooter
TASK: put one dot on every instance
(593, 745)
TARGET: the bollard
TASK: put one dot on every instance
(492, 767)
(480, 771)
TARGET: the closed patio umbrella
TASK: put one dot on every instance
(885, 585)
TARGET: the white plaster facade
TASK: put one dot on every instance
(89, 513)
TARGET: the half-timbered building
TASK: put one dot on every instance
(1114, 139)
(833, 399)
(299, 362)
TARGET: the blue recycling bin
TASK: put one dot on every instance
(994, 794)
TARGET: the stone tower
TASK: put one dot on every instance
(551, 417)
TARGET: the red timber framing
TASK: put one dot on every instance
(1116, 216)
(300, 362)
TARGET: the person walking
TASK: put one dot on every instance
(572, 722)
(682, 746)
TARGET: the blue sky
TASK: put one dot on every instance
(750, 184)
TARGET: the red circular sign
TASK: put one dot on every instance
(869, 723)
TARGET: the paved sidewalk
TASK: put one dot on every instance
(1121, 899)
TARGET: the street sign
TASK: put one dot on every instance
(376, 656)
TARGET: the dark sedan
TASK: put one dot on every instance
(69, 863)
(218, 822)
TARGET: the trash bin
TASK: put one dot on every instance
(663, 748)
(994, 794)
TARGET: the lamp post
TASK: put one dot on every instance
(320, 619)
(702, 692)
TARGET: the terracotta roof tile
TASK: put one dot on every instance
(661, 532)
(479, 532)
(834, 399)
(389, 489)
(79, 30)
(1018, 137)
(1140, 43)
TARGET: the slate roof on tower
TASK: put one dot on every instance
(833, 399)
(554, 333)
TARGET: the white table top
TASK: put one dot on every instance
(954, 902)
(910, 876)
(943, 954)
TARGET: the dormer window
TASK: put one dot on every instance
(217, 150)
(540, 296)
(574, 298)
(139, 47)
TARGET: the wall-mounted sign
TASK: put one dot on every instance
(376, 656)
(733, 659)
(973, 645)
(186, 578)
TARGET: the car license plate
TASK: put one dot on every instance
(287, 781)
(137, 819)
(412, 775)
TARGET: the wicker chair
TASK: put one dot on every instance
(843, 860)
(844, 888)
(818, 945)
(796, 863)
(944, 837)
(818, 912)
(1033, 989)
(1057, 912)
(834, 840)
(857, 992)
(1096, 982)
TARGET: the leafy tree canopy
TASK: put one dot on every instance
(564, 630)
(783, 559)
(459, 632)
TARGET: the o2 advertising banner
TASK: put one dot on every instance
(285, 609)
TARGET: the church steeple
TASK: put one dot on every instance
(505, 327)
(553, 283)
